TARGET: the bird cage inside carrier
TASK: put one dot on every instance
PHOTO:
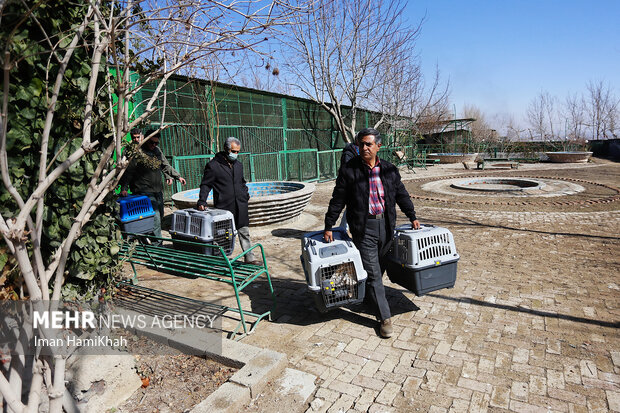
(334, 271)
(211, 226)
(423, 260)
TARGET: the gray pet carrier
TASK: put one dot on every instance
(212, 226)
(423, 260)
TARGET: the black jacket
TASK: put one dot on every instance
(352, 190)
(349, 152)
(230, 191)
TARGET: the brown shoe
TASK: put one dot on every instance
(386, 329)
(255, 262)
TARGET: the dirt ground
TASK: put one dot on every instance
(554, 263)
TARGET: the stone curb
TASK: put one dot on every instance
(257, 367)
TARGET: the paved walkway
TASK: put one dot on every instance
(531, 325)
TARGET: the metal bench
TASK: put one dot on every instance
(138, 249)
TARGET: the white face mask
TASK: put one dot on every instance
(232, 156)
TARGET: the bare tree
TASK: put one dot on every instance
(541, 116)
(573, 112)
(355, 53)
(602, 109)
(158, 38)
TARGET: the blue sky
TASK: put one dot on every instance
(499, 55)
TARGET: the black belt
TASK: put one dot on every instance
(379, 216)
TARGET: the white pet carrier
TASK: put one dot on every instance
(334, 270)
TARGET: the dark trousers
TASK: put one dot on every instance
(157, 201)
(373, 247)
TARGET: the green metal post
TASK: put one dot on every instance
(279, 162)
(317, 166)
(252, 173)
(284, 123)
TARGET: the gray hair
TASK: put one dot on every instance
(366, 132)
(229, 141)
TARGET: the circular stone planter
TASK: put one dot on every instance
(453, 157)
(269, 202)
(498, 184)
(569, 157)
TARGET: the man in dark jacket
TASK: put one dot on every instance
(370, 188)
(143, 175)
(224, 174)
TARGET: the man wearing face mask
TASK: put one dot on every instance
(224, 174)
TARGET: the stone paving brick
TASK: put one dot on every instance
(352, 359)
(437, 409)
(425, 352)
(459, 406)
(409, 371)
(548, 403)
(554, 347)
(572, 374)
(610, 377)
(555, 379)
(598, 405)
(365, 400)
(380, 408)
(326, 394)
(522, 407)
(406, 334)
(479, 402)
(372, 354)
(469, 370)
(387, 395)
(334, 351)
(475, 385)
(615, 357)
(460, 343)
(500, 397)
(588, 369)
(329, 374)
(600, 384)
(449, 360)
(520, 356)
(566, 395)
(368, 383)
(526, 368)
(411, 385)
(342, 404)
(613, 399)
(519, 391)
(354, 346)
(431, 380)
(349, 373)
(388, 364)
(405, 345)
(486, 365)
(390, 377)
(443, 348)
(346, 388)
(423, 330)
(455, 392)
(503, 361)
(370, 368)
(538, 385)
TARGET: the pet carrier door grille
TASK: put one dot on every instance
(434, 246)
(223, 234)
(339, 283)
(180, 223)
